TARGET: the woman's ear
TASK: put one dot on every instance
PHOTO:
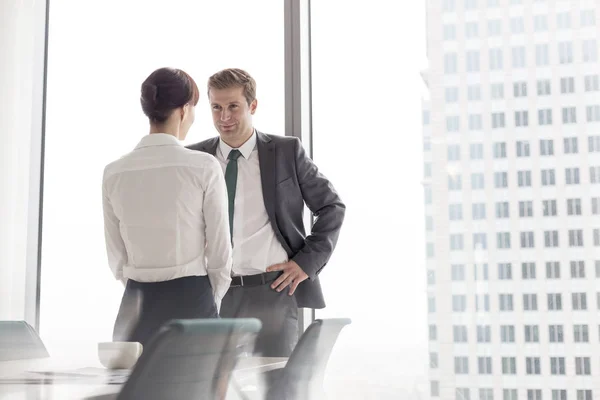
(185, 110)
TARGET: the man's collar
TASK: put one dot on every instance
(158, 139)
(245, 149)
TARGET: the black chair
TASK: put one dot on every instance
(19, 341)
(190, 359)
(302, 377)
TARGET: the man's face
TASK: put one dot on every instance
(231, 114)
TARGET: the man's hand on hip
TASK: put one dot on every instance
(292, 276)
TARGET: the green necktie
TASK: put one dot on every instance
(231, 173)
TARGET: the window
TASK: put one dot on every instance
(427, 170)
(461, 365)
(452, 124)
(479, 241)
(431, 304)
(451, 94)
(484, 334)
(523, 149)
(596, 237)
(472, 31)
(430, 250)
(555, 333)
(552, 270)
(455, 212)
(527, 240)
(584, 394)
(532, 334)
(540, 23)
(432, 332)
(499, 150)
(474, 93)
(524, 178)
(549, 207)
(484, 365)
(456, 242)
(506, 302)
(500, 179)
(434, 388)
(482, 302)
(497, 91)
(526, 210)
(572, 176)
(507, 333)
(543, 87)
(545, 117)
(518, 57)
(575, 238)
(472, 61)
(470, 4)
(450, 63)
(557, 365)
(554, 302)
(504, 271)
(477, 181)
(462, 393)
(594, 144)
(534, 394)
(563, 20)
(459, 303)
(528, 270)
(579, 301)
(582, 366)
(588, 17)
(595, 174)
(530, 302)
(542, 55)
(595, 205)
(521, 118)
(429, 223)
(590, 50)
(502, 210)
(517, 25)
(577, 269)
(548, 177)
(532, 366)
(433, 360)
(509, 365)
(448, 5)
(454, 182)
(592, 113)
(480, 272)
(546, 147)
(591, 83)
(430, 277)
(571, 145)
(476, 151)
(565, 52)
(478, 211)
(581, 333)
(453, 152)
(449, 32)
(503, 240)
(520, 89)
(475, 122)
(510, 394)
(496, 59)
(574, 206)
(498, 120)
(569, 115)
(567, 85)
(494, 27)
(458, 272)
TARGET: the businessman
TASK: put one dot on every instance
(269, 178)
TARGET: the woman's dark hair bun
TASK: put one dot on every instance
(165, 90)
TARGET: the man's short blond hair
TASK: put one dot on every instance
(234, 77)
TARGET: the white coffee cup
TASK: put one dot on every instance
(119, 355)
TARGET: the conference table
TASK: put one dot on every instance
(81, 376)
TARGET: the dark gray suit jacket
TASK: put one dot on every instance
(290, 179)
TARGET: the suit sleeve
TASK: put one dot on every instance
(327, 208)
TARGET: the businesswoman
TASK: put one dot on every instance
(166, 218)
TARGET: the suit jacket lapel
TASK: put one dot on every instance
(211, 146)
(266, 159)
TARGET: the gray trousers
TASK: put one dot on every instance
(277, 311)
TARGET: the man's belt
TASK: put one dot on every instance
(254, 280)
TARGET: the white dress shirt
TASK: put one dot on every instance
(165, 215)
(255, 246)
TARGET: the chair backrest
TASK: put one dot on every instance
(19, 341)
(190, 359)
(304, 372)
